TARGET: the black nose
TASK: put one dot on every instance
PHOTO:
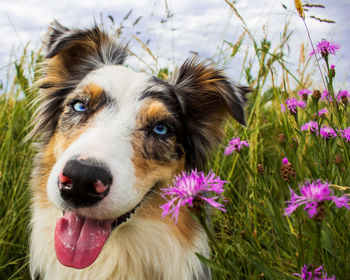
(83, 183)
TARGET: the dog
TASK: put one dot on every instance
(109, 139)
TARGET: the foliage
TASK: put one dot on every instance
(253, 239)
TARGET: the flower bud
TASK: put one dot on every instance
(331, 72)
(316, 95)
(338, 159)
(281, 138)
(260, 169)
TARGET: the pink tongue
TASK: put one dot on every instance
(79, 240)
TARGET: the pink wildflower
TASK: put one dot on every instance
(292, 105)
(285, 160)
(235, 145)
(327, 132)
(324, 48)
(311, 195)
(313, 275)
(304, 93)
(283, 108)
(187, 187)
(343, 96)
(310, 126)
(322, 112)
(345, 133)
(326, 96)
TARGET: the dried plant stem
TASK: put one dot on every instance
(313, 49)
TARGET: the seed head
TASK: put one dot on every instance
(338, 159)
(287, 170)
(299, 7)
(316, 95)
(281, 138)
(260, 169)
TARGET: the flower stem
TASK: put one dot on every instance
(202, 220)
(300, 242)
(318, 243)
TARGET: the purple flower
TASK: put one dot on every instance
(327, 132)
(311, 195)
(187, 187)
(345, 133)
(323, 112)
(310, 126)
(304, 93)
(325, 96)
(235, 145)
(343, 96)
(317, 274)
(283, 108)
(292, 105)
(285, 161)
(324, 48)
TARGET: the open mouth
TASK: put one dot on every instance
(79, 240)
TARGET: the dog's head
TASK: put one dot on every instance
(113, 136)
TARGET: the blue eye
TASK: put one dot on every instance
(79, 106)
(161, 129)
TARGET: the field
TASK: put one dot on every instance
(253, 239)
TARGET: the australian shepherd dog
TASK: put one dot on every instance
(109, 139)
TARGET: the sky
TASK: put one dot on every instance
(175, 29)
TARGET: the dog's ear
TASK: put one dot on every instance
(83, 47)
(71, 55)
(207, 98)
(56, 30)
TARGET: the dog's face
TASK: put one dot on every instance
(115, 142)
(113, 137)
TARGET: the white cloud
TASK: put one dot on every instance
(199, 26)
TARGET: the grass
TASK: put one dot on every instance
(253, 239)
(15, 168)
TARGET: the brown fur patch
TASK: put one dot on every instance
(94, 91)
(152, 110)
(163, 148)
(150, 172)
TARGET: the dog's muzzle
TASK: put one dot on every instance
(84, 182)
